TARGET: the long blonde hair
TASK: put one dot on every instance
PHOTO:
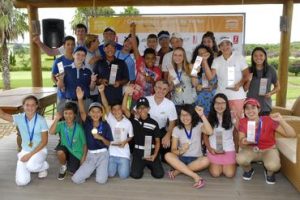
(186, 66)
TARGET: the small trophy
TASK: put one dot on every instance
(113, 74)
(117, 135)
(60, 67)
(205, 83)
(196, 66)
(251, 131)
(173, 74)
(219, 141)
(230, 77)
(157, 59)
(147, 146)
(263, 87)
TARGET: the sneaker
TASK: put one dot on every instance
(62, 172)
(270, 179)
(43, 174)
(248, 175)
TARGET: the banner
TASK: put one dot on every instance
(191, 27)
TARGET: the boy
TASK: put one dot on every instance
(71, 150)
(143, 126)
(119, 153)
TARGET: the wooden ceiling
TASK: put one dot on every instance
(90, 3)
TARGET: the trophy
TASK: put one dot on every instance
(251, 131)
(205, 83)
(219, 141)
(263, 87)
(173, 74)
(113, 74)
(147, 146)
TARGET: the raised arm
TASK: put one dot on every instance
(128, 91)
(133, 41)
(101, 89)
(80, 95)
(53, 126)
(6, 116)
(207, 129)
(49, 51)
(284, 128)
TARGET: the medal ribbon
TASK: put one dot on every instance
(179, 74)
(30, 133)
(100, 128)
(70, 142)
(188, 134)
(258, 131)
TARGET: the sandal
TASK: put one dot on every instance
(171, 174)
(200, 184)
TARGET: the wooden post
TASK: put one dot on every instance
(35, 53)
(284, 54)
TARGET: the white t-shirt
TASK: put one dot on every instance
(221, 66)
(227, 139)
(167, 60)
(195, 141)
(161, 113)
(121, 130)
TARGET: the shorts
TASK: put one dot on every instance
(228, 158)
(73, 163)
(187, 159)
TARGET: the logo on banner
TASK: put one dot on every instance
(195, 39)
(235, 39)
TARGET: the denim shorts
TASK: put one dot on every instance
(187, 159)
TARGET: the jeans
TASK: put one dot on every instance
(120, 165)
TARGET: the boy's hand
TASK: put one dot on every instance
(101, 88)
(79, 93)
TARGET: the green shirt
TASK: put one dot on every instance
(78, 142)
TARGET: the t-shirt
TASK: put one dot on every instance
(221, 66)
(266, 103)
(74, 78)
(227, 138)
(195, 141)
(103, 68)
(89, 56)
(74, 143)
(142, 87)
(129, 62)
(167, 60)
(121, 130)
(103, 129)
(40, 126)
(267, 135)
(161, 54)
(163, 112)
(55, 71)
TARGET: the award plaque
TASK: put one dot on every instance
(196, 66)
(205, 83)
(230, 77)
(113, 74)
(251, 131)
(157, 59)
(174, 75)
(147, 146)
(263, 86)
(219, 141)
(60, 67)
(117, 135)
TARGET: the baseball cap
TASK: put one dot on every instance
(176, 35)
(224, 38)
(80, 48)
(142, 102)
(112, 43)
(95, 104)
(252, 101)
(109, 29)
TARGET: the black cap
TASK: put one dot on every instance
(112, 43)
(80, 48)
(142, 102)
(109, 29)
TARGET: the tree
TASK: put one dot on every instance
(130, 11)
(13, 24)
(82, 14)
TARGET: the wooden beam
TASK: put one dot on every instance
(284, 53)
(35, 53)
(89, 3)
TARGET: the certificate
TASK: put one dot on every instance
(230, 77)
(147, 146)
(251, 125)
(219, 141)
(113, 74)
(60, 67)
(263, 87)
(196, 66)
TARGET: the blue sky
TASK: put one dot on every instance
(262, 21)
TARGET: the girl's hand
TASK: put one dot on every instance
(211, 150)
(199, 110)
(79, 93)
(26, 157)
(205, 56)
(268, 95)
(185, 147)
(94, 77)
(199, 87)
(276, 117)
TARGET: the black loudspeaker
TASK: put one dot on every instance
(53, 32)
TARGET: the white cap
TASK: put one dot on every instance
(176, 35)
(225, 38)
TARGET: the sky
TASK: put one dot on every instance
(262, 21)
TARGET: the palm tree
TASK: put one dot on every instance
(13, 24)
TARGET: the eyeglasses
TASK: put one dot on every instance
(220, 103)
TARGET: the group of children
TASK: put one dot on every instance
(118, 116)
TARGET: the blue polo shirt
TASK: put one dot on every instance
(102, 68)
(77, 77)
(101, 49)
(129, 62)
(92, 143)
(65, 62)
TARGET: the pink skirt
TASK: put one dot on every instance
(228, 158)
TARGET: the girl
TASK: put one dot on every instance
(34, 134)
(180, 81)
(262, 145)
(220, 145)
(186, 156)
(262, 71)
(209, 40)
(98, 137)
(205, 89)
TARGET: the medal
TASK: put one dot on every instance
(255, 149)
(30, 144)
(70, 141)
(179, 89)
(188, 135)
(94, 131)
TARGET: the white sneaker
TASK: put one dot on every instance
(43, 174)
